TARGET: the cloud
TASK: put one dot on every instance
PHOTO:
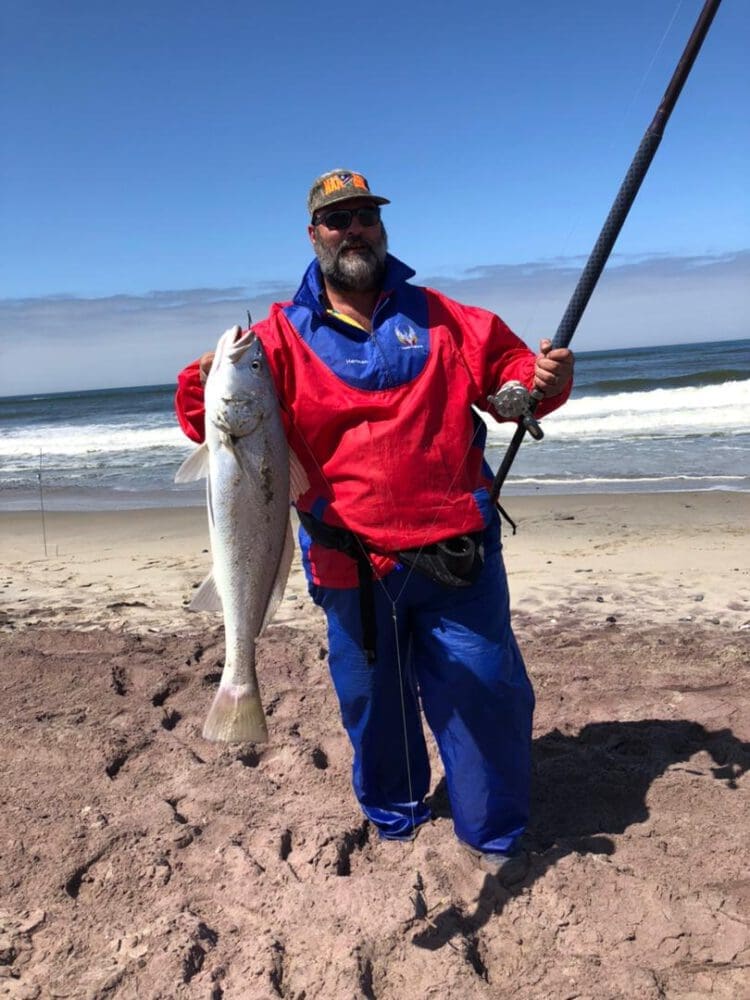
(60, 343)
(656, 299)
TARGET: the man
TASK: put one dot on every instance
(377, 379)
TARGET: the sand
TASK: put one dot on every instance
(139, 861)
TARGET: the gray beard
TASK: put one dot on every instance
(354, 272)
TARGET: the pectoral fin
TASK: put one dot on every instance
(194, 467)
(206, 597)
(298, 481)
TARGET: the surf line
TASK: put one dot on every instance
(518, 402)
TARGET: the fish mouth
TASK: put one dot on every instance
(239, 347)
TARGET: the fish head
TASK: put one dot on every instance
(239, 389)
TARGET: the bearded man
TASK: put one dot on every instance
(378, 381)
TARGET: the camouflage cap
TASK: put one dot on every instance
(340, 185)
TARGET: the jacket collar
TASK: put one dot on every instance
(310, 291)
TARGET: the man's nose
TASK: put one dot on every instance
(355, 226)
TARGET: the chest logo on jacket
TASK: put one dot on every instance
(408, 338)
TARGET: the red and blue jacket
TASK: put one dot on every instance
(382, 421)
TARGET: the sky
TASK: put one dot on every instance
(155, 159)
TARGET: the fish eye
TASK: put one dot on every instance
(255, 365)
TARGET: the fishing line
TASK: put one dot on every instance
(428, 531)
(442, 503)
(404, 727)
(575, 224)
(394, 600)
(521, 427)
(394, 617)
(650, 66)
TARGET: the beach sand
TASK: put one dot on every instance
(139, 861)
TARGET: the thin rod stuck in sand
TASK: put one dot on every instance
(41, 503)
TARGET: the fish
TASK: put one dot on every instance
(249, 484)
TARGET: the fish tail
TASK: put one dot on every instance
(236, 716)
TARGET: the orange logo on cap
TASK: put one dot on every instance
(340, 181)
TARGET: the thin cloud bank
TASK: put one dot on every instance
(60, 343)
(657, 299)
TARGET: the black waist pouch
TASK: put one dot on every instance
(454, 562)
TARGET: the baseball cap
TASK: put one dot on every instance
(340, 185)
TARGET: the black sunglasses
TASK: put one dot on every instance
(341, 218)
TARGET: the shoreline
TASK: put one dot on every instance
(109, 501)
(642, 558)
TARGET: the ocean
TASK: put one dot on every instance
(649, 419)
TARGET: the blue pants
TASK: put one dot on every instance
(458, 655)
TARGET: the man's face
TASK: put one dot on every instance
(351, 259)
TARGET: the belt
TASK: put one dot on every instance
(453, 562)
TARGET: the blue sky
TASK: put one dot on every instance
(156, 158)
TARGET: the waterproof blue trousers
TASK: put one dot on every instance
(453, 650)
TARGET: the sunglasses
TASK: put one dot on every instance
(341, 218)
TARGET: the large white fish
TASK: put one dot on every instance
(246, 461)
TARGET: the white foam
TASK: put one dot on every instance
(614, 480)
(718, 409)
(712, 409)
(89, 439)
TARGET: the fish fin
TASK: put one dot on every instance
(194, 467)
(236, 716)
(206, 597)
(279, 584)
(298, 481)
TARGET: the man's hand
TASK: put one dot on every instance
(553, 369)
(204, 363)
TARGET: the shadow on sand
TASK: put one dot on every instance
(585, 788)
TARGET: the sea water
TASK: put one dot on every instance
(646, 419)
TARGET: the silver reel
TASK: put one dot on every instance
(511, 401)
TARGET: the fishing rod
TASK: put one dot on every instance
(514, 401)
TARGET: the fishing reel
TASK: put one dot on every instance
(513, 401)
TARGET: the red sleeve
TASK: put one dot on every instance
(188, 403)
(492, 353)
